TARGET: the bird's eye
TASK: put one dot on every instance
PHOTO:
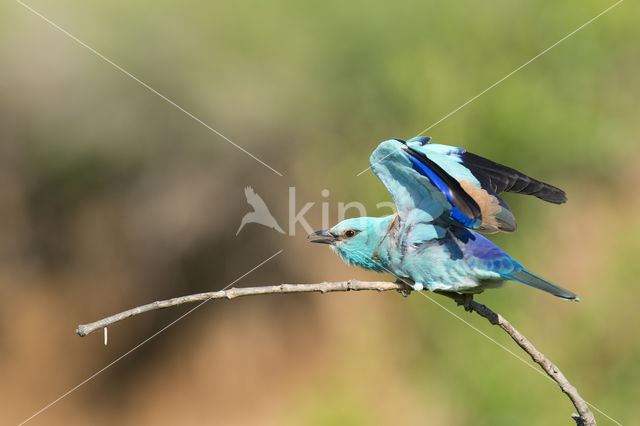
(349, 233)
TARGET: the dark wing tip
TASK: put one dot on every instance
(553, 195)
(505, 179)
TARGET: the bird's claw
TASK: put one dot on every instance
(467, 299)
(406, 288)
(405, 291)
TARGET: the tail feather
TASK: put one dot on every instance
(533, 280)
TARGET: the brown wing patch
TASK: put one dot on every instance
(393, 221)
(488, 204)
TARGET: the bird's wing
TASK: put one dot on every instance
(492, 176)
(494, 213)
(484, 256)
(502, 178)
(416, 197)
(484, 180)
(422, 233)
(421, 189)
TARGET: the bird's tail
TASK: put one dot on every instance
(533, 280)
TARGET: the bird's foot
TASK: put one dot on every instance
(467, 299)
(407, 287)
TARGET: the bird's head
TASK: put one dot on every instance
(356, 240)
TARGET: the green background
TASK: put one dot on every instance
(111, 198)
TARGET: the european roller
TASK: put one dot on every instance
(443, 195)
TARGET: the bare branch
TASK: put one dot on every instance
(232, 293)
(585, 416)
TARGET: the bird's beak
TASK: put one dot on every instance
(327, 237)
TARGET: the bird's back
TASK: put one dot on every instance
(461, 260)
(434, 256)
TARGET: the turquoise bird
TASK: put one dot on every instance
(443, 195)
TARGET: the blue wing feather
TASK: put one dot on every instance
(455, 212)
(469, 184)
(422, 140)
(463, 208)
(494, 212)
(416, 198)
(489, 175)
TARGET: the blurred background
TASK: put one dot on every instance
(111, 198)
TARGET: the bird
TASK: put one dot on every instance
(260, 213)
(433, 241)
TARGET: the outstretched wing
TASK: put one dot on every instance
(491, 175)
(419, 197)
(502, 178)
(463, 208)
(483, 180)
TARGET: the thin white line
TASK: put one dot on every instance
(145, 85)
(64, 395)
(487, 336)
(521, 66)
(532, 366)
(510, 74)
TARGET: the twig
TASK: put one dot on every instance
(585, 416)
(232, 293)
